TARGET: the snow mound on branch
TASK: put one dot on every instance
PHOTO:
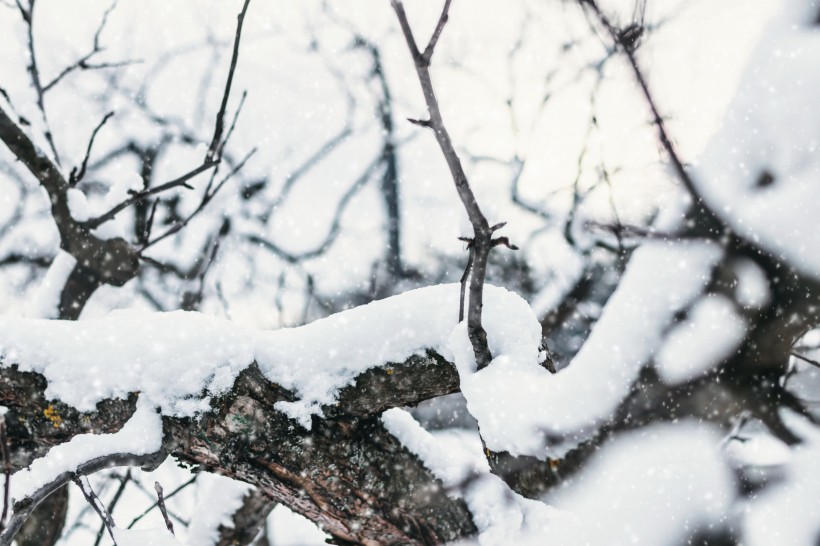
(176, 360)
(658, 485)
(320, 358)
(141, 435)
(765, 190)
(516, 402)
(788, 512)
(218, 499)
(501, 515)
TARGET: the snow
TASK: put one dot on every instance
(654, 486)
(757, 448)
(318, 359)
(141, 435)
(78, 205)
(711, 332)
(286, 528)
(47, 298)
(218, 498)
(516, 402)
(175, 360)
(178, 361)
(788, 512)
(752, 286)
(651, 486)
(501, 515)
(776, 103)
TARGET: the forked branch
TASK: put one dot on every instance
(481, 242)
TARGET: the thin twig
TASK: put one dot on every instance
(168, 496)
(97, 504)
(206, 198)
(34, 72)
(482, 233)
(82, 63)
(806, 359)
(136, 197)
(213, 157)
(335, 224)
(117, 495)
(627, 42)
(161, 504)
(220, 116)
(77, 175)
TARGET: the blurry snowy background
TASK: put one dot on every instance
(344, 201)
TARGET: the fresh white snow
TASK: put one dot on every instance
(516, 402)
(773, 126)
(218, 499)
(652, 486)
(711, 332)
(788, 512)
(141, 435)
(47, 298)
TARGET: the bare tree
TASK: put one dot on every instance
(321, 430)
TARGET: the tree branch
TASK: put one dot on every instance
(482, 234)
(245, 438)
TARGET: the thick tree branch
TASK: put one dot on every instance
(318, 473)
(111, 261)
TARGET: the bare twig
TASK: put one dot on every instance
(482, 233)
(168, 496)
(206, 198)
(136, 197)
(77, 175)
(806, 359)
(220, 116)
(83, 62)
(213, 157)
(161, 504)
(117, 495)
(335, 224)
(97, 504)
(627, 40)
(34, 73)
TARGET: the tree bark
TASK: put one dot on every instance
(348, 474)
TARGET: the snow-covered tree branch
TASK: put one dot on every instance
(235, 297)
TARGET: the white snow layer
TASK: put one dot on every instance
(788, 512)
(47, 298)
(179, 360)
(711, 332)
(516, 402)
(141, 435)
(773, 126)
(218, 498)
(170, 358)
(501, 515)
(654, 486)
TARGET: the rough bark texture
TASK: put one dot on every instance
(347, 474)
